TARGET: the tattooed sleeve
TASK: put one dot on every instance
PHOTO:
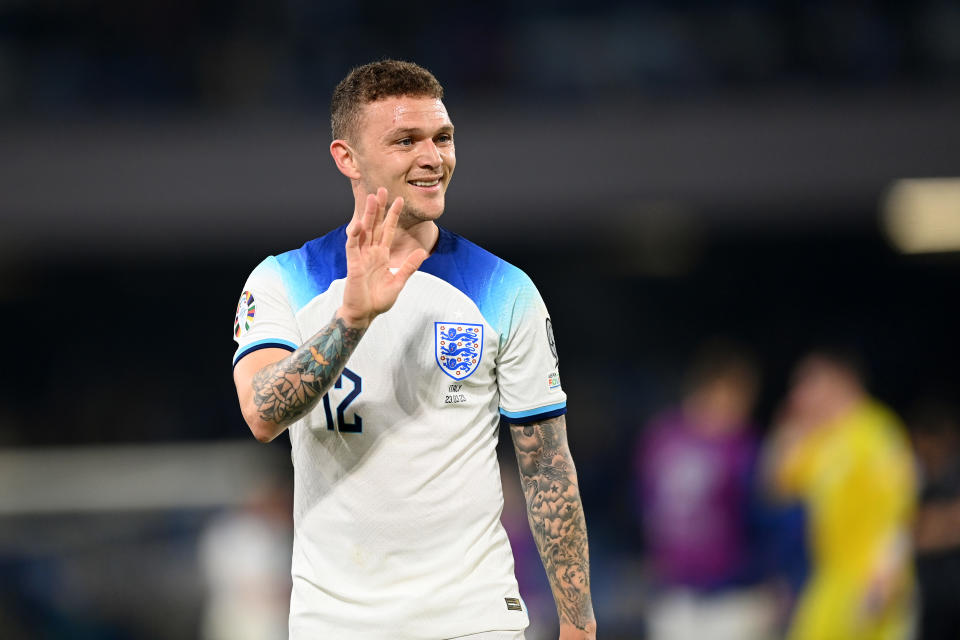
(555, 513)
(287, 390)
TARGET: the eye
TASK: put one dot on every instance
(444, 137)
(405, 142)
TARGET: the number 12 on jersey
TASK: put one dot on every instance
(341, 422)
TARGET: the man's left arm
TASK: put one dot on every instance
(555, 513)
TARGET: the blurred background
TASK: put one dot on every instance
(668, 173)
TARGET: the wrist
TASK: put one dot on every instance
(573, 632)
(353, 321)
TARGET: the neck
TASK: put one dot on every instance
(838, 406)
(418, 234)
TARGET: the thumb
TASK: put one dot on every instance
(411, 264)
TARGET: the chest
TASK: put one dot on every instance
(430, 357)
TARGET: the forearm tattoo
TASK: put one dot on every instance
(287, 390)
(555, 512)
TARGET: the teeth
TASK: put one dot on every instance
(424, 183)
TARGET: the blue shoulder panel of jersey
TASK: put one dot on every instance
(308, 271)
(491, 283)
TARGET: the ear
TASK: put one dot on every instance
(345, 158)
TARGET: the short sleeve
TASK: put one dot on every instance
(265, 318)
(528, 373)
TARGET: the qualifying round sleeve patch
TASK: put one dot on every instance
(552, 343)
(246, 310)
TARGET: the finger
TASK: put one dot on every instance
(381, 208)
(369, 219)
(352, 248)
(356, 218)
(410, 265)
(390, 223)
(353, 233)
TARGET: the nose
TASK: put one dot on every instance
(430, 155)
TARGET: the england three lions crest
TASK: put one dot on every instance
(458, 347)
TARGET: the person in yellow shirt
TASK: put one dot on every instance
(847, 458)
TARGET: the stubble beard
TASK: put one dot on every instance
(411, 216)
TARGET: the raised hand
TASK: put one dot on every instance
(371, 288)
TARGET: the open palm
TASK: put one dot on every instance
(371, 287)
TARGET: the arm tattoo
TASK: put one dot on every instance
(287, 390)
(555, 513)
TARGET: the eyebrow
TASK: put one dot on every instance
(403, 132)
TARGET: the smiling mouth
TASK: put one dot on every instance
(424, 183)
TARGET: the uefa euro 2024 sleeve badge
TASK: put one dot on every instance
(458, 347)
(246, 310)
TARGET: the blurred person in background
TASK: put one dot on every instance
(847, 458)
(694, 466)
(397, 489)
(936, 440)
(245, 560)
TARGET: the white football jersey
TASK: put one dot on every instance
(397, 487)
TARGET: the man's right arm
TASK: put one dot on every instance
(277, 388)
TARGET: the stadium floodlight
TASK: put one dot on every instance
(922, 215)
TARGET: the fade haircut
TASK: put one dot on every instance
(376, 81)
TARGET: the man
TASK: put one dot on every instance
(408, 344)
(694, 478)
(846, 457)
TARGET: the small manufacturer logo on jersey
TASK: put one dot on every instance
(513, 604)
(246, 310)
(458, 347)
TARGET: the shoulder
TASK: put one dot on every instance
(886, 428)
(457, 258)
(308, 271)
(317, 254)
(493, 284)
(504, 294)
